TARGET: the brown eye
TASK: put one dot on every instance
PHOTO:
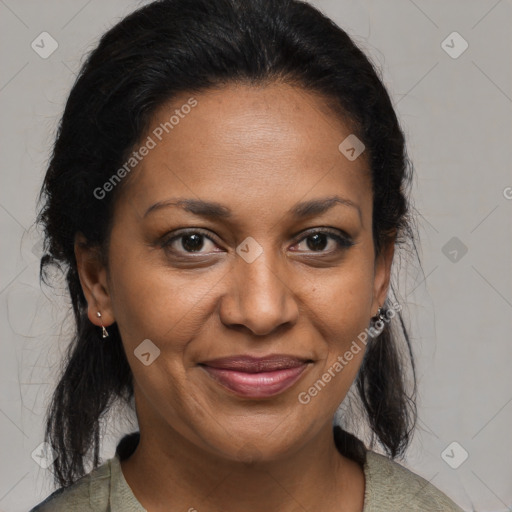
(317, 242)
(192, 243)
(189, 242)
(320, 240)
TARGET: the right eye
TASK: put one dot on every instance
(188, 242)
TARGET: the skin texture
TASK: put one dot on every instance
(258, 151)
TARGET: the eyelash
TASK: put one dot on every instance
(343, 242)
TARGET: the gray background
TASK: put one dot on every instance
(456, 113)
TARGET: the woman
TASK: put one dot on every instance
(226, 192)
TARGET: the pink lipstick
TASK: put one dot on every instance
(256, 377)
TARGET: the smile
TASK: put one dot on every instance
(252, 377)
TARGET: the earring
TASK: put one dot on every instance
(380, 315)
(104, 331)
(378, 320)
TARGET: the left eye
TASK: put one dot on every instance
(318, 241)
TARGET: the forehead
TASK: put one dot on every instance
(240, 144)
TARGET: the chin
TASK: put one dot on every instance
(253, 447)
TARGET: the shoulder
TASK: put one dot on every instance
(392, 487)
(91, 492)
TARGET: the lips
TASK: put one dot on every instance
(256, 377)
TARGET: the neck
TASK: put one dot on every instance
(167, 471)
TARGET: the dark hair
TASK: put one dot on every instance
(176, 46)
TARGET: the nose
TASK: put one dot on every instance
(260, 296)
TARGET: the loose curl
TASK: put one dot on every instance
(174, 46)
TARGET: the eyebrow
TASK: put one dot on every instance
(211, 209)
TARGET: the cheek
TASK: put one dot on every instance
(168, 308)
(342, 307)
(342, 301)
(154, 302)
(157, 311)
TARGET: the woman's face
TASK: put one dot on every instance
(257, 261)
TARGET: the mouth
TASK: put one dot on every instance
(256, 377)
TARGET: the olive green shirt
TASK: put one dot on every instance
(389, 488)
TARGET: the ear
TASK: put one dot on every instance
(93, 278)
(382, 274)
